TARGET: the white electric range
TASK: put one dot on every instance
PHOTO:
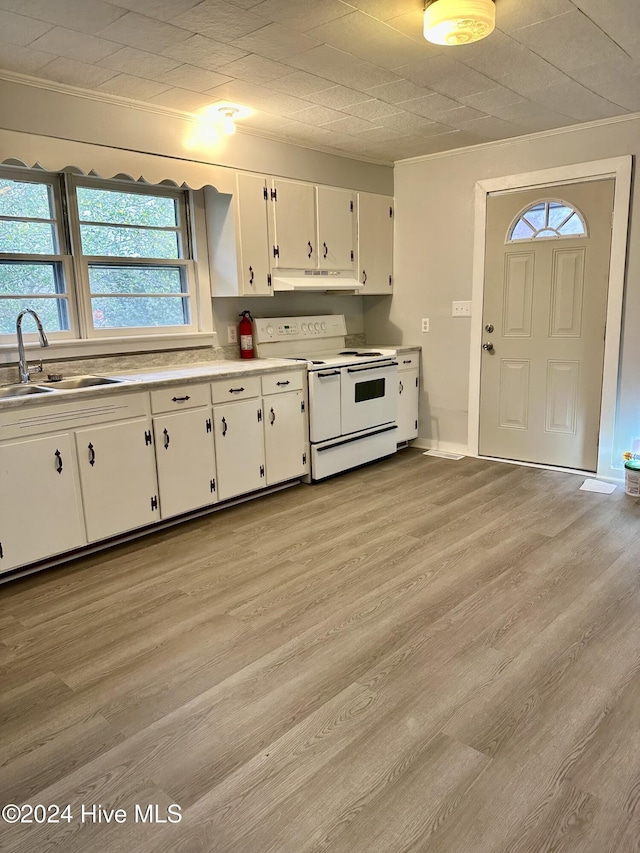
(352, 392)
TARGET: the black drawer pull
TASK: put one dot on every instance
(92, 454)
(407, 361)
(224, 426)
(330, 373)
(167, 440)
(236, 390)
(58, 456)
(180, 399)
(284, 383)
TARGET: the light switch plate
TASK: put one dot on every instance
(461, 309)
(232, 335)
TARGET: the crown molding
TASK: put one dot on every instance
(168, 112)
(499, 143)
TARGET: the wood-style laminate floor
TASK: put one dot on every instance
(421, 656)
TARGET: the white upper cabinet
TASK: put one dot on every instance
(337, 232)
(294, 231)
(375, 243)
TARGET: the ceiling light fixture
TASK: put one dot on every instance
(452, 22)
(228, 114)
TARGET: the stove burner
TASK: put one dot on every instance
(348, 352)
(358, 353)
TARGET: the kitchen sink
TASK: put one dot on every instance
(83, 382)
(9, 391)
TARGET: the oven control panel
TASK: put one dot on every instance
(299, 328)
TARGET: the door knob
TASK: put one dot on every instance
(488, 346)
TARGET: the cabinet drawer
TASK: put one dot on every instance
(226, 390)
(180, 397)
(276, 383)
(408, 360)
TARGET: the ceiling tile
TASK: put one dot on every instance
(411, 24)
(75, 73)
(87, 16)
(266, 121)
(372, 109)
(300, 84)
(350, 125)
(576, 102)
(255, 69)
(63, 42)
(460, 115)
(23, 60)
(405, 121)
(490, 127)
(365, 37)
(275, 42)
(492, 99)
(204, 52)
(220, 21)
(128, 86)
(181, 99)
(193, 78)
(317, 115)
(569, 41)
(394, 93)
(245, 4)
(430, 106)
(17, 29)
(367, 75)
(625, 92)
(324, 61)
(380, 134)
(303, 14)
(532, 118)
(139, 63)
(385, 9)
(513, 14)
(337, 97)
(161, 10)
(145, 33)
(594, 75)
(619, 18)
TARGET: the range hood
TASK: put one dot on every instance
(315, 280)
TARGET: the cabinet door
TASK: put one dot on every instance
(118, 477)
(284, 436)
(408, 392)
(186, 461)
(294, 226)
(239, 443)
(336, 229)
(375, 243)
(41, 514)
(253, 238)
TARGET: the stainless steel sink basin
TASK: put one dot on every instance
(83, 382)
(9, 391)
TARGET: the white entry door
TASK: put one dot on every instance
(544, 317)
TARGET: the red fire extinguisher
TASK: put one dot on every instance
(245, 330)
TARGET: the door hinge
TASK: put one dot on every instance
(352, 255)
(154, 502)
(259, 416)
(302, 406)
(416, 424)
(304, 458)
(1, 552)
(416, 381)
(274, 195)
(269, 280)
(276, 251)
(212, 485)
(351, 206)
(265, 193)
(390, 280)
(147, 436)
(208, 424)
(390, 213)
(262, 470)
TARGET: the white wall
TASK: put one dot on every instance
(434, 204)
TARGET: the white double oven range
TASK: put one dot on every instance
(352, 392)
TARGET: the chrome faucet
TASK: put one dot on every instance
(23, 367)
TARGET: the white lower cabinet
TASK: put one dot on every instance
(185, 457)
(239, 441)
(284, 436)
(408, 397)
(118, 477)
(41, 511)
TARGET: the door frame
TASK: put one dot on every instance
(619, 168)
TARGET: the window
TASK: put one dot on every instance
(547, 219)
(116, 263)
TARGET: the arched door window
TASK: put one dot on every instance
(547, 220)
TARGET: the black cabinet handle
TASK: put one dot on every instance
(288, 382)
(326, 250)
(272, 417)
(236, 390)
(407, 361)
(364, 276)
(58, 456)
(224, 426)
(310, 249)
(250, 275)
(329, 373)
(167, 440)
(92, 454)
(401, 387)
(180, 399)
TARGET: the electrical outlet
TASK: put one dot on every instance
(425, 324)
(232, 334)
(461, 309)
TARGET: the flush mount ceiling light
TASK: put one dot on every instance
(452, 22)
(228, 115)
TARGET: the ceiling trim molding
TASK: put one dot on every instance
(499, 143)
(168, 112)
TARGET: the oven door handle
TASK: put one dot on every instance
(378, 366)
(322, 374)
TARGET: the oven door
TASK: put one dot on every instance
(324, 404)
(368, 396)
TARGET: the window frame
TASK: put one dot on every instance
(534, 238)
(64, 258)
(82, 339)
